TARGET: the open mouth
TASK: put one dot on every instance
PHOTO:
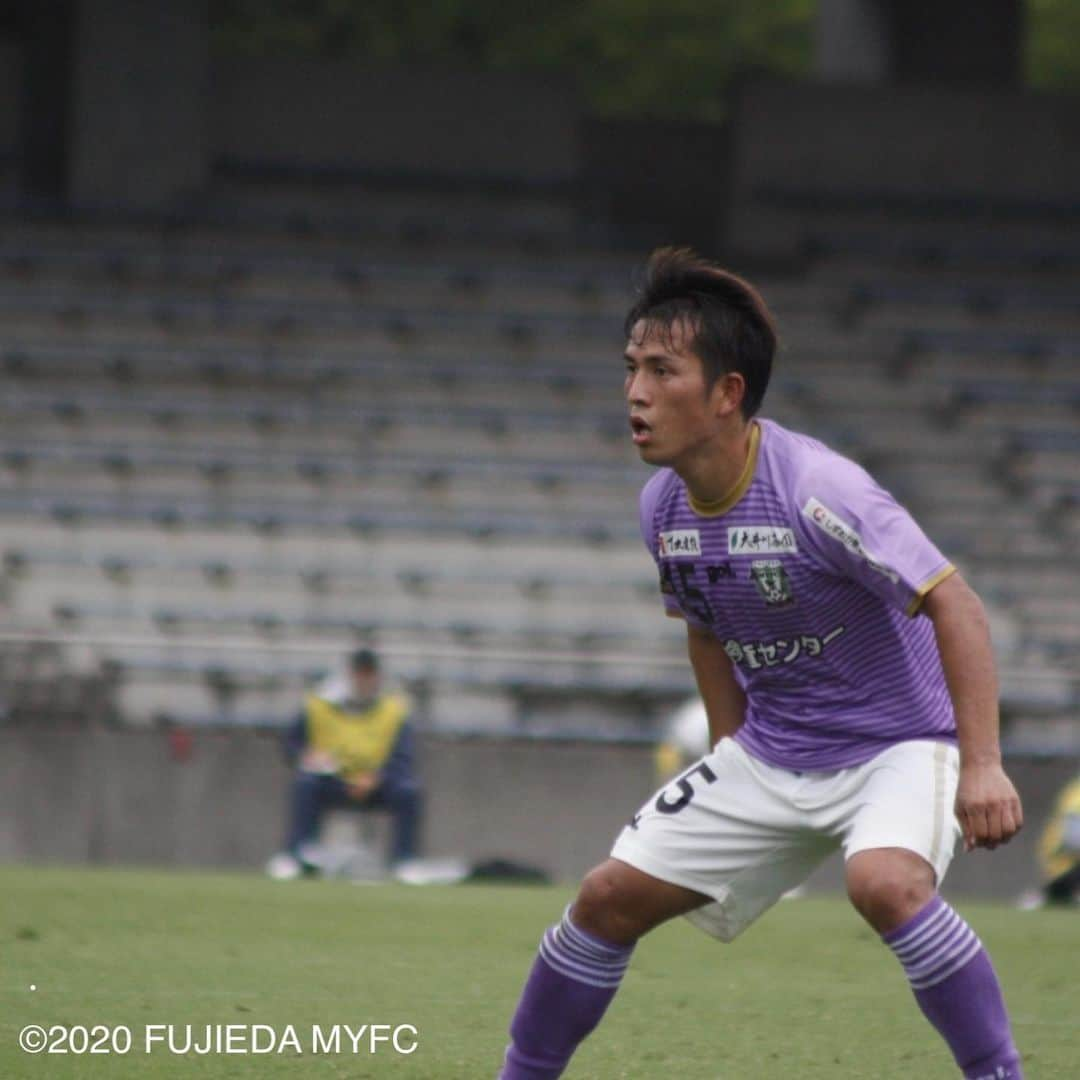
(640, 430)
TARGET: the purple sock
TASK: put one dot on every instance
(572, 982)
(956, 988)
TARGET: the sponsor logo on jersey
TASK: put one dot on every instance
(772, 581)
(761, 540)
(840, 530)
(717, 571)
(756, 655)
(680, 544)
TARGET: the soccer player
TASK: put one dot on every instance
(848, 679)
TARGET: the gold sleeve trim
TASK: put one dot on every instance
(926, 586)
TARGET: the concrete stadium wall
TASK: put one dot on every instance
(965, 41)
(655, 182)
(11, 77)
(148, 112)
(126, 797)
(11, 74)
(315, 114)
(139, 100)
(915, 143)
(115, 797)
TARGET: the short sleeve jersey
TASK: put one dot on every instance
(812, 576)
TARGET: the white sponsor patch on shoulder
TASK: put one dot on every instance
(761, 540)
(840, 530)
(680, 543)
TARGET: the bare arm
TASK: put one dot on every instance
(987, 805)
(725, 702)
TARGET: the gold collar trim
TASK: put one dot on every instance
(746, 478)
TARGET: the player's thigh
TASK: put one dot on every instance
(725, 828)
(906, 800)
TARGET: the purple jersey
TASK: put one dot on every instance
(812, 576)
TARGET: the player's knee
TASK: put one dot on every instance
(605, 908)
(887, 891)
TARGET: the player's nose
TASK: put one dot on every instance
(636, 388)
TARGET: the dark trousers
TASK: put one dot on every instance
(1065, 888)
(315, 793)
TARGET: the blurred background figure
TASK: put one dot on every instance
(685, 739)
(1059, 851)
(352, 746)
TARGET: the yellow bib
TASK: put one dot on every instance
(358, 741)
(1055, 860)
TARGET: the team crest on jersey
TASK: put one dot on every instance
(772, 581)
(761, 540)
(680, 543)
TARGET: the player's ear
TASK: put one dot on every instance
(727, 393)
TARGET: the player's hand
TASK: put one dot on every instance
(361, 785)
(318, 761)
(987, 806)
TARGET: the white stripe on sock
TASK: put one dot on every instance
(577, 973)
(905, 944)
(938, 948)
(571, 955)
(928, 946)
(960, 938)
(959, 961)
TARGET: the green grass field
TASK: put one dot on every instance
(808, 992)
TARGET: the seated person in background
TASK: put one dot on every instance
(1059, 848)
(352, 746)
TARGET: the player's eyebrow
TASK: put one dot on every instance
(661, 357)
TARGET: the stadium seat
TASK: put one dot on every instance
(219, 574)
(316, 580)
(253, 478)
(117, 569)
(18, 364)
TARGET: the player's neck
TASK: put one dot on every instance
(718, 468)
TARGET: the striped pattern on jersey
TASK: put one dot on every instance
(808, 578)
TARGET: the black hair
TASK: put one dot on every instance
(363, 660)
(733, 330)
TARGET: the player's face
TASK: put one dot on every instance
(365, 684)
(672, 412)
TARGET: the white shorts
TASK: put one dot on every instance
(744, 832)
